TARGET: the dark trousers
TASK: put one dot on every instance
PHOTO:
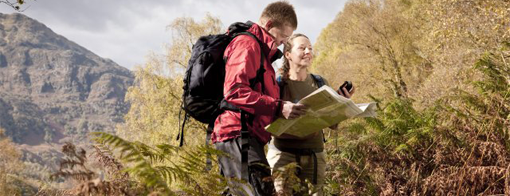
(259, 172)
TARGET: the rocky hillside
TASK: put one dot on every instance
(52, 89)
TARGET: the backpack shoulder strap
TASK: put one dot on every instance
(261, 70)
(319, 81)
(281, 84)
(258, 78)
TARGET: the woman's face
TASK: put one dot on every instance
(301, 53)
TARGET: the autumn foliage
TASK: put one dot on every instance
(439, 70)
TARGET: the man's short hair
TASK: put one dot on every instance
(280, 13)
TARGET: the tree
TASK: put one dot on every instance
(185, 32)
(457, 34)
(374, 44)
(155, 116)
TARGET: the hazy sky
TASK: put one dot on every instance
(126, 31)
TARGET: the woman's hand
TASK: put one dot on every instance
(347, 94)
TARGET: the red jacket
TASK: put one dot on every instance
(243, 61)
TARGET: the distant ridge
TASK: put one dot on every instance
(52, 88)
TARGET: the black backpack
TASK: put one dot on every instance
(202, 97)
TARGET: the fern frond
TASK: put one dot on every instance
(170, 174)
(129, 154)
(155, 155)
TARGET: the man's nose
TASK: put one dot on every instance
(308, 51)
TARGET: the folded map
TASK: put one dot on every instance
(325, 108)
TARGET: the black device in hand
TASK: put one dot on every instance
(347, 85)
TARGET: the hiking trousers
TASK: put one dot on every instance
(259, 172)
(279, 159)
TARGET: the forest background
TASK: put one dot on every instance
(439, 70)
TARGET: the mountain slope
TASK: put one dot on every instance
(52, 88)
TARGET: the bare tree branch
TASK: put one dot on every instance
(14, 5)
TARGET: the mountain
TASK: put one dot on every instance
(51, 89)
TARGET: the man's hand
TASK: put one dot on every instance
(292, 110)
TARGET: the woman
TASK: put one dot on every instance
(295, 83)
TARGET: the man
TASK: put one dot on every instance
(276, 24)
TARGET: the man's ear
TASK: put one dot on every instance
(269, 25)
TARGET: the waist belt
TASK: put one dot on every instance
(305, 152)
